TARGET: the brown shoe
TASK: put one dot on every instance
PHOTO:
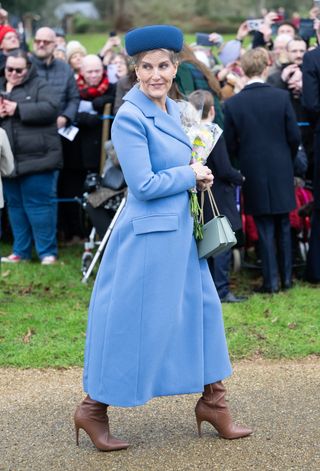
(92, 417)
(212, 408)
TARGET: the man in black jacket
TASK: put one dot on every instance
(311, 100)
(57, 73)
(263, 137)
(60, 76)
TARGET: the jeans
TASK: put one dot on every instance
(33, 213)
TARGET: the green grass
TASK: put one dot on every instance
(43, 312)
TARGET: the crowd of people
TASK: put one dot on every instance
(261, 88)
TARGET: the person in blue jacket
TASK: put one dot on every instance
(155, 324)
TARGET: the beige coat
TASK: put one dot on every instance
(6, 160)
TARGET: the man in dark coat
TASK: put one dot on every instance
(60, 76)
(226, 179)
(311, 99)
(263, 137)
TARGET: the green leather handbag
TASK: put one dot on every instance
(218, 235)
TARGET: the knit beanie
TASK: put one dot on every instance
(4, 30)
(73, 47)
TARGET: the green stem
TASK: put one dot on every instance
(196, 213)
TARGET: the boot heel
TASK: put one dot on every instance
(77, 435)
(199, 421)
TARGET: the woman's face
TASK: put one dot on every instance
(76, 61)
(155, 73)
(16, 69)
(121, 66)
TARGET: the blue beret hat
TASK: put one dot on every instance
(153, 37)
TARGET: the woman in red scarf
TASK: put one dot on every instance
(95, 91)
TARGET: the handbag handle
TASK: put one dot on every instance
(212, 202)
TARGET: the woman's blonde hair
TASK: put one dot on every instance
(173, 56)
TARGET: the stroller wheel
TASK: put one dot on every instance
(86, 260)
(236, 255)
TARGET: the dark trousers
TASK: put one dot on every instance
(70, 185)
(220, 271)
(275, 249)
(313, 258)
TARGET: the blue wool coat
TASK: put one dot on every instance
(155, 323)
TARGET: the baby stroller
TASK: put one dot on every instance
(104, 199)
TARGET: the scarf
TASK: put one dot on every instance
(89, 93)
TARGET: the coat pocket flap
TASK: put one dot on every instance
(155, 223)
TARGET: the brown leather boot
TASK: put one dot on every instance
(92, 417)
(212, 408)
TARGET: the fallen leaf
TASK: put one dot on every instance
(27, 337)
(274, 320)
(5, 274)
(292, 325)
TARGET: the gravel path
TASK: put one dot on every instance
(281, 400)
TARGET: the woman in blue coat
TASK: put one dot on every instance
(155, 323)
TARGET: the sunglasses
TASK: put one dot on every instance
(17, 70)
(44, 41)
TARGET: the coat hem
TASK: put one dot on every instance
(117, 403)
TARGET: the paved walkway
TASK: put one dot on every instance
(281, 400)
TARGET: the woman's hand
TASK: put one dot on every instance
(204, 177)
(9, 107)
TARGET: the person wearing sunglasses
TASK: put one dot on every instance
(28, 113)
(60, 77)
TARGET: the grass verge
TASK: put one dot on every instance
(43, 312)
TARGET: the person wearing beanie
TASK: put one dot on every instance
(155, 324)
(9, 41)
(75, 52)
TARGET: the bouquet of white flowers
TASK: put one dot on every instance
(203, 137)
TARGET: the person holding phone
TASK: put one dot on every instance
(28, 114)
(110, 48)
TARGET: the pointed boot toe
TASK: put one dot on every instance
(212, 408)
(92, 417)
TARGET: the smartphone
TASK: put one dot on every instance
(112, 34)
(254, 25)
(202, 39)
(306, 30)
(4, 95)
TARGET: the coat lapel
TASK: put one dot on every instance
(166, 122)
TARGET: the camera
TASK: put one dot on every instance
(202, 39)
(92, 182)
(254, 25)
